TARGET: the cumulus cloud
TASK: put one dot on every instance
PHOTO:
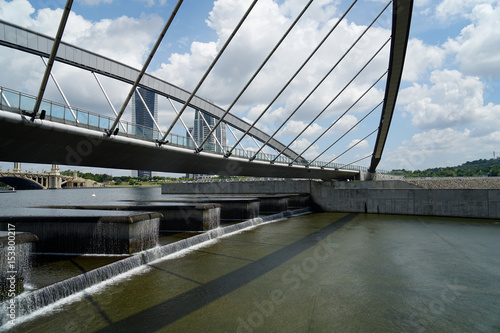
(95, 2)
(442, 147)
(452, 100)
(360, 144)
(477, 48)
(448, 9)
(259, 34)
(451, 106)
(300, 145)
(293, 128)
(113, 38)
(21, 10)
(420, 58)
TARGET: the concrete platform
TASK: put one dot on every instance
(86, 231)
(232, 209)
(176, 216)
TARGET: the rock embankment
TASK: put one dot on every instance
(456, 183)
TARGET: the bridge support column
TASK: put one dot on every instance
(54, 177)
(17, 167)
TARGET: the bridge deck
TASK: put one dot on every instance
(69, 145)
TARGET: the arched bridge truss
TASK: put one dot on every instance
(75, 137)
(31, 180)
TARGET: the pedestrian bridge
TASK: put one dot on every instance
(36, 130)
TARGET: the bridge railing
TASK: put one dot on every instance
(22, 103)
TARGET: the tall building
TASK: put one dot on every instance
(141, 116)
(200, 130)
(202, 127)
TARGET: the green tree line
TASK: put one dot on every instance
(477, 168)
(103, 178)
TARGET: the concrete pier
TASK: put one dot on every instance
(232, 209)
(90, 231)
(175, 216)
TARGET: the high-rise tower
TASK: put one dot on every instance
(141, 117)
(203, 123)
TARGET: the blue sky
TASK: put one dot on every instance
(448, 108)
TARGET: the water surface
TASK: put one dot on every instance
(325, 272)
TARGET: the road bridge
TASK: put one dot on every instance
(23, 180)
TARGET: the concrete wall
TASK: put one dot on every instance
(251, 187)
(454, 203)
(384, 197)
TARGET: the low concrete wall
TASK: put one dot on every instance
(384, 197)
(174, 216)
(454, 203)
(251, 187)
(232, 209)
(77, 231)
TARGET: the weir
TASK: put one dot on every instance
(30, 302)
(83, 232)
(232, 209)
(176, 216)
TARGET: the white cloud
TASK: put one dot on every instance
(259, 34)
(452, 100)
(299, 146)
(95, 2)
(442, 147)
(420, 58)
(360, 144)
(294, 127)
(18, 11)
(458, 125)
(449, 9)
(477, 48)
(111, 38)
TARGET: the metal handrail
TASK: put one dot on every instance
(22, 103)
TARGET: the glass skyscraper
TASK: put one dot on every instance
(201, 129)
(141, 117)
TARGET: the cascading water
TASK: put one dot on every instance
(29, 302)
(145, 235)
(15, 267)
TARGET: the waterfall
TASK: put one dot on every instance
(29, 302)
(20, 258)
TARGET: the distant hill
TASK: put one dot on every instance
(478, 168)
